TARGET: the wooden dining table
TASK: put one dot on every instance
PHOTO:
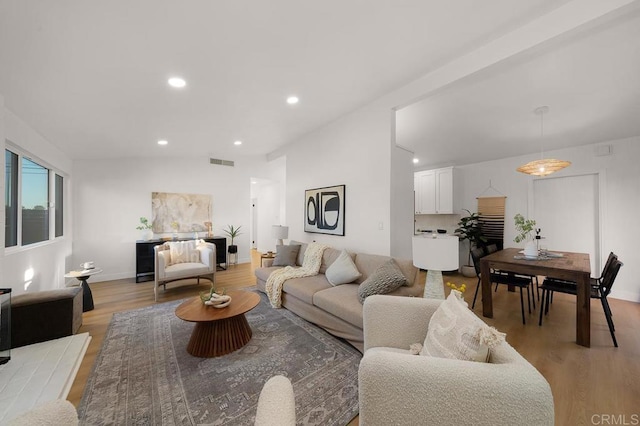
(570, 266)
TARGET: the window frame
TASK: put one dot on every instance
(51, 207)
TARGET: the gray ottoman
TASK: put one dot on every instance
(45, 315)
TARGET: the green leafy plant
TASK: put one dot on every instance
(469, 229)
(525, 228)
(232, 232)
(144, 224)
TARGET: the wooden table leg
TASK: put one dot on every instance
(221, 337)
(583, 311)
(487, 301)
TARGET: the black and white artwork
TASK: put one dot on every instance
(324, 210)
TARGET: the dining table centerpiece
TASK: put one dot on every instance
(526, 229)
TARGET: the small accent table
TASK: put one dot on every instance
(218, 332)
(266, 256)
(83, 276)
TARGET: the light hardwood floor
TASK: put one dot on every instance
(586, 382)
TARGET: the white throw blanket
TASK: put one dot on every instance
(310, 266)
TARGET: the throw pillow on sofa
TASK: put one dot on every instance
(303, 248)
(286, 255)
(386, 278)
(455, 332)
(342, 270)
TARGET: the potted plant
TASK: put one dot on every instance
(469, 229)
(232, 232)
(526, 229)
(146, 228)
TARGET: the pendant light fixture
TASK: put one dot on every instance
(543, 166)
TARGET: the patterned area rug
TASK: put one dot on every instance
(144, 375)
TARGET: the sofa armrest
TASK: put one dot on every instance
(276, 404)
(395, 321)
(398, 388)
(56, 412)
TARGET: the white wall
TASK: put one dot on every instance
(620, 195)
(354, 151)
(49, 260)
(112, 194)
(271, 203)
(401, 210)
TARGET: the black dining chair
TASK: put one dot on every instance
(492, 248)
(595, 282)
(600, 289)
(501, 277)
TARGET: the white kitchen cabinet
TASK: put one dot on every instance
(434, 191)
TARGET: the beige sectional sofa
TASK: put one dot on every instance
(336, 309)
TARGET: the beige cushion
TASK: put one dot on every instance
(329, 255)
(286, 255)
(183, 252)
(341, 301)
(305, 288)
(342, 270)
(368, 263)
(457, 333)
(263, 273)
(303, 248)
(178, 270)
(385, 279)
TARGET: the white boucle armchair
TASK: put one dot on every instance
(200, 263)
(397, 388)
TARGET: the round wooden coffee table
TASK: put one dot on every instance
(218, 332)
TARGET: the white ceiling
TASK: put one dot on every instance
(590, 81)
(90, 76)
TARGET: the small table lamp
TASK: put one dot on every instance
(280, 233)
(435, 255)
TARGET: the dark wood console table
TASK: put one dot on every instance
(145, 263)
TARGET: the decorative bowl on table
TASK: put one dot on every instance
(214, 299)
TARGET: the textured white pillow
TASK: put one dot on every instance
(342, 270)
(457, 333)
(183, 252)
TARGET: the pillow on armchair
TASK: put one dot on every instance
(455, 332)
(183, 252)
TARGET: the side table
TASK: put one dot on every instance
(266, 256)
(83, 276)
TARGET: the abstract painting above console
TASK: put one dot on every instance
(188, 211)
(324, 210)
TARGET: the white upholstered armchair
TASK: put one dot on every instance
(179, 260)
(397, 388)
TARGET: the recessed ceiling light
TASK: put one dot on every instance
(292, 100)
(253, 182)
(162, 142)
(177, 82)
(416, 161)
(237, 143)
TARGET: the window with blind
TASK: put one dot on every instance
(491, 219)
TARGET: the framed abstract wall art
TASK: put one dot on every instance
(180, 212)
(324, 210)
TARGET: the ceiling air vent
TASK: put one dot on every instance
(221, 162)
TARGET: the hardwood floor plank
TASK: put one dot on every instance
(584, 381)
